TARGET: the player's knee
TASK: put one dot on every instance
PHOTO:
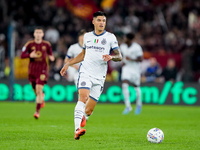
(39, 92)
(83, 98)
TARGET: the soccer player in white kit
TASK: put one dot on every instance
(92, 73)
(72, 52)
(132, 56)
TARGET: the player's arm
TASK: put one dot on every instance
(77, 59)
(138, 59)
(116, 57)
(138, 53)
(115, 48)
(67, 60)
(25, 52)
(49, 51)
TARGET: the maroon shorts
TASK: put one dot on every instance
(37, 79)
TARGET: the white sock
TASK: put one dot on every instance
(126, 94)
(78, 114)
(138, 94)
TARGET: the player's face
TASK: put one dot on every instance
(38, 34)
(99, 23)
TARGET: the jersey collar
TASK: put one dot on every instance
(100, 34)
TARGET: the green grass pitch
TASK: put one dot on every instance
(106, 129)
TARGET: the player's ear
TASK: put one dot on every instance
(42, 34)
(93, 21)
(34, 33)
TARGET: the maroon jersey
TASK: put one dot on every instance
(37, 66)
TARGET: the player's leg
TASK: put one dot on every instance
(138, 101)
(95, 93)
(79, 112)
(135, 81)
(126, 76)
(80, 107)
(39, 99)
(32, 81)
(84, 85)
(90, 105)
(33, 84)
(126, 93)
(86, 116)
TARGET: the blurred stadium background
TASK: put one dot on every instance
(166, 30)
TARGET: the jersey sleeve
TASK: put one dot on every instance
(49, 50)
(70, 52)
(114, 43)
(26, 51)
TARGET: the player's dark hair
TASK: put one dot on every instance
(130, 36)
(83, 31)
(99, 13)
(39, 28)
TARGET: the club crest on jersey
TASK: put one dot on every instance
(96, 40)
(103, 42)
(39, 54)
(83, 83)
(33, 48)
(43, 48)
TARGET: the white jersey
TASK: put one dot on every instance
(74, 50)
(134, 51)
(95, 47)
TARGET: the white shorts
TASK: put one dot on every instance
(94, 85)
(73, 75)
(131, 76)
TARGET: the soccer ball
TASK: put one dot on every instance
(155, 135)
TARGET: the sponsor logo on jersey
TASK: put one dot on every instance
(88, 41)
(96, 40)
(103, 41)
(96, 48)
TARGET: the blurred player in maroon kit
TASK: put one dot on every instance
(37, 50)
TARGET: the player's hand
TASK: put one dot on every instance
(51, 57)
(64, 69)
(107, 57)
(33, 54)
